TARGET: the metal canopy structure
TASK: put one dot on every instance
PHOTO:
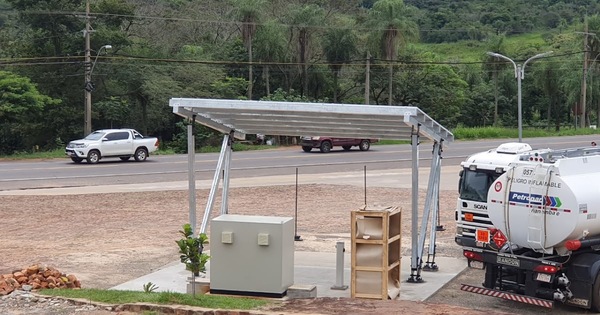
(238, 118)
(301, 119)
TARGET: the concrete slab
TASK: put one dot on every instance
(318, 269)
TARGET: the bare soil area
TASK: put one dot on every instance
(108, 239)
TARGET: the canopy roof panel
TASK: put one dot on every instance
(310, 119)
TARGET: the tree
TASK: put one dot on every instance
(593, 56)
(270, 47)
(548, 77)
(21, 113)
(496, 45)
(304, 19)
(390, 21)
(435, 88)
(339, 45)
(248, 12)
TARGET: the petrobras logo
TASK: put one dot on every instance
(526, 198)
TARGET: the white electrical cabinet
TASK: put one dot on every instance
(251, 255)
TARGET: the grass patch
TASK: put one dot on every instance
(461, 133)
(475, 51)
(57, 153)
(165, 298)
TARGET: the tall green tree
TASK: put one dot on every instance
(593, 56)
(339, 45)
(392, 26)
(547, 76)
(248, 12)
(270, 47)
(304, 20)
(496, 45)
(21, 114)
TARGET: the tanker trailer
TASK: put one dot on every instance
(545, 244)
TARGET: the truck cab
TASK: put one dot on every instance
(478, 172)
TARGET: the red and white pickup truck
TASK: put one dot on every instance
(326, 143)
(121, 143)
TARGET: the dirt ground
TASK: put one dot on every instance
(108, 239)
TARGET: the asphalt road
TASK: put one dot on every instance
(64, 173)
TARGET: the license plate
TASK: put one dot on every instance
(476, 264)
(482, 236)
(543, 277)
(508, 261)
(69, 153)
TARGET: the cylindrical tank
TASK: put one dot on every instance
(543, 205)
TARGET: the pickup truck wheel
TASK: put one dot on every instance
(93, 157)
(325, 146)
(306, 148)
(125, 158)
(76, 159)
(347, 147)
(141, 154)
(364, 145)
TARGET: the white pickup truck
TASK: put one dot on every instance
(121, 143)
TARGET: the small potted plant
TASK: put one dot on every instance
(191, 254)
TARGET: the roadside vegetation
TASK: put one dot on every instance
(122, 297)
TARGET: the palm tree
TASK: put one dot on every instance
(339, 45)
(303, 20)
(491, 63)
(389, 18)
(594, 56)
(248, 12)
(270, 47)
(547, 76)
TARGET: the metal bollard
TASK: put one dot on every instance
(339, 267)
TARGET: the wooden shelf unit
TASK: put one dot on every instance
(376, 252)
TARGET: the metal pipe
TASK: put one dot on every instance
(339, 267)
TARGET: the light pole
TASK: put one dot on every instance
(519, 74)
(89, 86)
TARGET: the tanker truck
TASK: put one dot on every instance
(544, 246)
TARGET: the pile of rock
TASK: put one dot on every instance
(38, 277)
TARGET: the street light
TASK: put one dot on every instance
(519, 74)
(89, 87)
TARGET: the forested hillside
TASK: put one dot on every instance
(430, 54)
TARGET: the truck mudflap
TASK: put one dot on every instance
(507, 296)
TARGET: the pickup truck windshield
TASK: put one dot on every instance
(95, 136)
(475, 184)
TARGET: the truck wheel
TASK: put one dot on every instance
(76, 159)
(364, 145)
(306, 148)
(325, 146)
(596, 295)
(93, 157)
(347, 147)
(141, 155)
(125, 158)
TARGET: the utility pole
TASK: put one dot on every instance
(583, 120)
(368, 78)
(88, 87)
